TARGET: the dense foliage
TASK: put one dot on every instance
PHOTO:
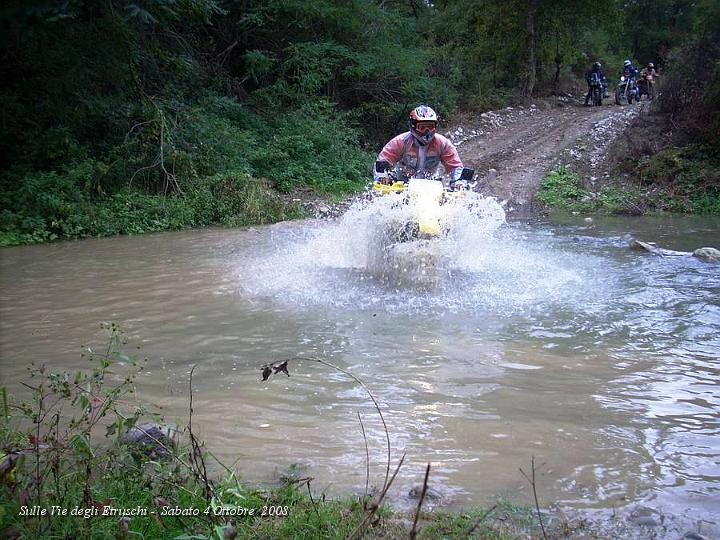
(684, 174)
(123, 116)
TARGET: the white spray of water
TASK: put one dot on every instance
(478, 263)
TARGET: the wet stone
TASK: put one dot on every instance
(431, 494)
(646, 517)
(150, 440)
(645, 521)
(707, 254)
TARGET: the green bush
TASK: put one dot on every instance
(68, 207)
(311, 146)
(687, 178)
(562, 188)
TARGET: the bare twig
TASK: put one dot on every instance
(311, 497)
(226, 51)
(413, 532)
(375, 402)
(367, 456)
(360, 529)
(480, 520)
(531, 480)
(281, 367)
(196, 456)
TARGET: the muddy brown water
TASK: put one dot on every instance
(552, 341)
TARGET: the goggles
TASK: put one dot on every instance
(425, 126)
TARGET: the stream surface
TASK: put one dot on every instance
(549, 340)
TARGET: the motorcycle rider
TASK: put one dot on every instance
(596, 68)
(629, 70)
(648, 73)
(631, 74)
(420, 151)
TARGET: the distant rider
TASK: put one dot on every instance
(596, 68)
(631, 74)
(648, 74)
(629, 70)
(420, 151)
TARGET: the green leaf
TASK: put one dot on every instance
(81, 444)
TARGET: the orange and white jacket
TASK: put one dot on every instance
(413, 159)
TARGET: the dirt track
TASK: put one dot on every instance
(512, 149)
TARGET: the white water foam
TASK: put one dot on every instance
(481, 263)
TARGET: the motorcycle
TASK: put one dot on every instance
(596, 90)
(626, 91)
(427, 202)
(646, 87)
(414, 226)
(413, 217)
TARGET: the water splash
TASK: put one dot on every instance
(479, 264)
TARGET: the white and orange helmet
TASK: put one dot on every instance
(423, 123)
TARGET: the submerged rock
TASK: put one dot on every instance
(150, 440)
(707, 254)
(431, 494)
(646, 517)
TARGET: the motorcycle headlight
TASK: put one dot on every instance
(622, 79)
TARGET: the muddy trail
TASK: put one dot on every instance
(512, 149)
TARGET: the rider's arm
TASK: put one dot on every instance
(392, 152)
(450, 158)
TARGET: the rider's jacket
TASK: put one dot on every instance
(630, 72)
(648, 72)
(413, 159)
(588, 75)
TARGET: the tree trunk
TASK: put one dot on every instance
(558, 60)
(530, 76)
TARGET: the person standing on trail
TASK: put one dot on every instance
(420, 151)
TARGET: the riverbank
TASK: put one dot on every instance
(77, 462)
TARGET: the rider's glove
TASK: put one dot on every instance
(381, 177)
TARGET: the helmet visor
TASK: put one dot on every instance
(425, 127)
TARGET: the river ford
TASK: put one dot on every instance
(553, 340)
